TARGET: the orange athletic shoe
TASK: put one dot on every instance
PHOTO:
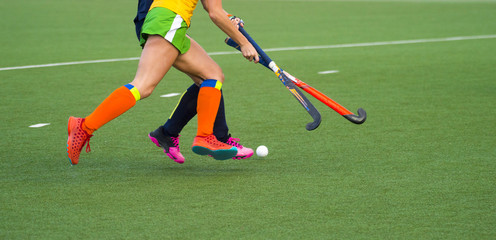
(76, 140)
(209, 145)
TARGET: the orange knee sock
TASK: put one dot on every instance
(208, 105)
(117, 103)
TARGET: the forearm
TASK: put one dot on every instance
(220, 18)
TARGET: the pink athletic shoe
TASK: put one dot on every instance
(168, 143)
(243, 152)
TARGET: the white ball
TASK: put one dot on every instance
(262, 151)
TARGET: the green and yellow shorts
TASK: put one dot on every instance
(169, 25)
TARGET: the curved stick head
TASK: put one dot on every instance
(362, 116)
(315, 124)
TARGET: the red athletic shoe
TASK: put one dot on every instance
(76, 140)
(209, 145)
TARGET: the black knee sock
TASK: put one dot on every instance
(183, 113)
(221, 130)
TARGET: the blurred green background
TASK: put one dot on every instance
(421, 167)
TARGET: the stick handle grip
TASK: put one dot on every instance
(260, 51)
(233, 44)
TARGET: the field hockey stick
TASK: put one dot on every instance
(362, 115)
(290, 85)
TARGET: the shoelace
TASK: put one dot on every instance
(87, 141)
(175, 141)
(233, 142)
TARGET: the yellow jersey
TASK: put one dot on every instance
(182, 7)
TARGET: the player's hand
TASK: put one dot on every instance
(236, 21)
(250, 53)
(247, 49)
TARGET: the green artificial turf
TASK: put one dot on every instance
(421, 167)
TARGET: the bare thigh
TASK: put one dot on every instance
(156, 59)
(198, 65)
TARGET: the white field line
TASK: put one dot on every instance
(170, 95)
(348, 45)
(39, 125)
(328, 72)
(384, 43)
(70, 63)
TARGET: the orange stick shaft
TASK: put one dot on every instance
(322, 97)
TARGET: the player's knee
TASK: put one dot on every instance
(144, 90)
(221, 79)
(219, 76)
(214, 72)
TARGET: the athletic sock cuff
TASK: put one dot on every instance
(133, 91)
(212, 83)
